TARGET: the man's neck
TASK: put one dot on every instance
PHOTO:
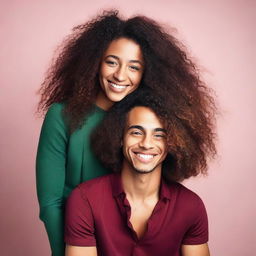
(141, 187)
(142, 193)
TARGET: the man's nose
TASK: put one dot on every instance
(146, 142)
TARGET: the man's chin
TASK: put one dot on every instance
(141, 171)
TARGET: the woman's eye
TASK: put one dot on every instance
(111, 62)
(135, 68)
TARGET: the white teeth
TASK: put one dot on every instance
(117, 86)
(145, 156)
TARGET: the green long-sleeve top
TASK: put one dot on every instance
(63, 161)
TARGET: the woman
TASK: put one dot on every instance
(103, 61)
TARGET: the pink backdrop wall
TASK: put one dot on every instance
(219, 34)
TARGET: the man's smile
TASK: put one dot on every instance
(144, 157)
(144, 141)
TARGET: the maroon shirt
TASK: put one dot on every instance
(98, 213)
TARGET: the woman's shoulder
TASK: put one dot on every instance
(55, 112)
(55, 109)
(54, 117)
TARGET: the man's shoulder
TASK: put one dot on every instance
(185, 194)
(96, 186)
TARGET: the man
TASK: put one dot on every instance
(139, 210)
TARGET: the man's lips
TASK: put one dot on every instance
(144, 157)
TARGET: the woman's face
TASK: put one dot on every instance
(121, 71)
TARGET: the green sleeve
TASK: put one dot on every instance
(50, 176)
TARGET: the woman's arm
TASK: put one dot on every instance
(50, 176)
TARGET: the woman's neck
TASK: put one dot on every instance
(103, 102)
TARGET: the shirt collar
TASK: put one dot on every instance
(116, 184)
(117, 187)
(165, 190)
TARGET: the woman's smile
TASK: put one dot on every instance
(120, 72)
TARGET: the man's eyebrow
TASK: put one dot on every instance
(130, 61)
(142, 129)
(136, 127)
(160, 130)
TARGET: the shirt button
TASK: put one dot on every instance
(136, 251)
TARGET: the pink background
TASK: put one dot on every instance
(220, 35)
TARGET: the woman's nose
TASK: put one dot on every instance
(120, 74)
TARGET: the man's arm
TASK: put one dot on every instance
(80, 251)
(79, 227)
(195, 250)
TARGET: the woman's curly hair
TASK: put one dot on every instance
(73, 77)
(188, 147)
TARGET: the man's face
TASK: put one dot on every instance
(144, 141)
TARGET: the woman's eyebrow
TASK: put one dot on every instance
(130, 61)
(136, 61)
(113, 56)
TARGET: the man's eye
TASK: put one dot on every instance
(136, 133)
(160, 136)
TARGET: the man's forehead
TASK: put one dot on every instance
(143, 116)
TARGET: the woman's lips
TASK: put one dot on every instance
(117, 87)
